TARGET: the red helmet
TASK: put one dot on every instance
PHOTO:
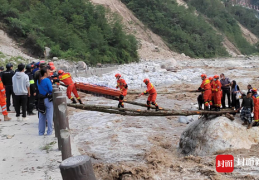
(60, 72)
(52, 67)
(216, 76)
(146, 80)
(254, 90)
(210, 78)
(204, 75)
(51, 63)
(117, 75)
(41, 62)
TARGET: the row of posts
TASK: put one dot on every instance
(72, 168)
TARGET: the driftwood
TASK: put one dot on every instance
(135, 112)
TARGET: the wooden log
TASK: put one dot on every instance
(77, 168)
(54, 109)
(64, 128)
(134, 112)
(57, 102)
(170, 92)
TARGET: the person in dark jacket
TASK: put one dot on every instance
(31, 99)
(234, 90)
(8, 83)
(1, 71)
(225, 82)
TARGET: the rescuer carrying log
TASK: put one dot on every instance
(217, 93)
(206, 87)
(67, 80)
(152, 94)
(121, 83)
(3, 102)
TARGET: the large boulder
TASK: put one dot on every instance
(81, 65)
(206, 137)
(170, 64)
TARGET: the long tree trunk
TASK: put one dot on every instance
(134, 112)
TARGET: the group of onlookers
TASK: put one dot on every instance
(231, 91)
(30, 89)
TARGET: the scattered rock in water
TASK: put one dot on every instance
(183, 119)
(81, 65)
(206, 137)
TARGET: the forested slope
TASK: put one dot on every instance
(73, 29)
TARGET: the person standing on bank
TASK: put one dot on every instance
(234, 90)
(8, 83)
(21, 88)
(30, 102)
(225, 82)
(45, 104)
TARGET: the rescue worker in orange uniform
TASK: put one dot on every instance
(67, 80)
(121, 83)
(3, 101)
(217, 93)
(212, 97)
(206, 87)
(256, 105)
(152, 94)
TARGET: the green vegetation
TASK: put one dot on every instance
(255, 2)
(179, 27)
(73, 29)
(246, 17)
(224, 21)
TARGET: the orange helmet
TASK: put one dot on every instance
(204, 75)
(146, 80)
(210, 78)
(117, 75)
(216, 76)
(51, 63)
(254, 90)
(52, 67)
(60, 72)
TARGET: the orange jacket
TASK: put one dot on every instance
(205, 85)
(121, 83)
(66, 78)
(256, 101)
(2, 89)
(150, 89)
(216, 86)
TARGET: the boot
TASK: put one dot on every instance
(218, 109)
(6, 118)
(80, 101)
(73, 100)
(245, 123)
(210, 108)
(148, 108)
(249, 126)
(157, 108)
(119, 105)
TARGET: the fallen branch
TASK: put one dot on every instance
(134, 112)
